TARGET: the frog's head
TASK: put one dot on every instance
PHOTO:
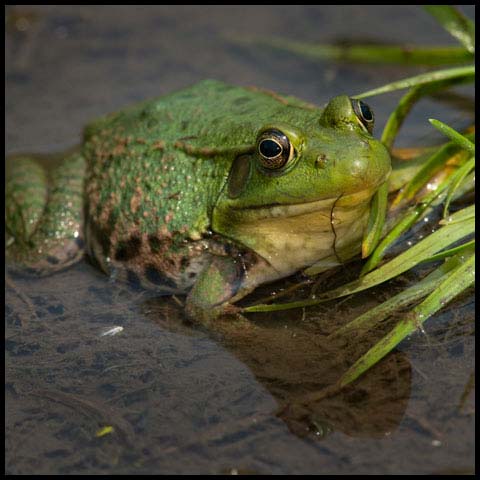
(299, 178)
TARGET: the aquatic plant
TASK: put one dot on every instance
(447, 170)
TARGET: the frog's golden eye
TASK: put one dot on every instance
(364, 114)
(274, 148)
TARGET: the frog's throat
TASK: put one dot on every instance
(291, 237)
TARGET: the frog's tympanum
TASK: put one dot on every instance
(209, 191)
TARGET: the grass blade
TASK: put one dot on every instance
(455, 283)
(375, 315)
(376, 220)
(370, 53)
(467, 213)
(462, 74)
(412, 216)
(430, 245)
(451, 251)
(455, 23)
(456, 137)
(457, 179)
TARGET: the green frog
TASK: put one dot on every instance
(210, 191)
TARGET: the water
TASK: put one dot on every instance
(182, 399)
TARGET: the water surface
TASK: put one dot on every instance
(182, 399)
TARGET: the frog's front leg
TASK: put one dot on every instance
(223, 281)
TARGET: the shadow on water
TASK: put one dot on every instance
(297, 362)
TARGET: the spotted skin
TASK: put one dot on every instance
(44, 215)
(175, 194)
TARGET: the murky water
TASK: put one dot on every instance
(184, 400)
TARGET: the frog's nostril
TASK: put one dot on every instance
(321, 161)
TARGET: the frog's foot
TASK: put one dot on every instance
(44, 214)
(210, 297)
(212, 314)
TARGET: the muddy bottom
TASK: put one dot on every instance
(162, 396)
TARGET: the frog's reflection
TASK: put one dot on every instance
(295, 361)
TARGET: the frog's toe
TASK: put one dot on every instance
(200, 313)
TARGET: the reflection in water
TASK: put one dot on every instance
(296, 361)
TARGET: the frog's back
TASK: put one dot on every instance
(155, 170)
(210, 110)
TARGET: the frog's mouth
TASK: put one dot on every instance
(297, 207)
(322, 207)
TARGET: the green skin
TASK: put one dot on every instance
(184, 194)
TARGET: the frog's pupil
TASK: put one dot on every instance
(366, 112)
(270, 148)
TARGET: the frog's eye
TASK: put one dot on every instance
(274, 148)
(364, 114)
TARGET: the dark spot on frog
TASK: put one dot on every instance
(112, 221)
(155, 243)
(242, 105)
(128, 249)
(228, 248)
(102, 235)
(80, 242)
(133, 278)
(242, 100)
(155, 277)
(53, 260)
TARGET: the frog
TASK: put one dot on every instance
(209, 192)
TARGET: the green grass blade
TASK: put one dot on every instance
(456, 137)
(455, 283)
(397, 117)
(376, 220)
(467, 213)
(451, 251)
(467, 186)
(404, 223)
(371, 53)
(420, 289)
(457, 178)
(459, 26)
(462, 74)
